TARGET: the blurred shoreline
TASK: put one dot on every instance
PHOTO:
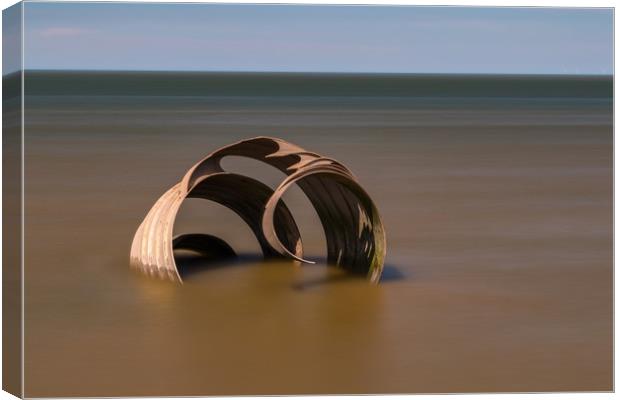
(137, 83)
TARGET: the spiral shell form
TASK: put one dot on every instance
(353, 229)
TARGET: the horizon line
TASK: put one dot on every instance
(266, 72)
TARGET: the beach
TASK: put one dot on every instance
(497, 205)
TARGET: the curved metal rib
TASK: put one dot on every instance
(352, 225)
(247, 197)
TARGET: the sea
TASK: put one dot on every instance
(495, 192)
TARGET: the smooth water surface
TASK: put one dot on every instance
(497, 207)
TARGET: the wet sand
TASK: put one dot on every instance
(498, 274)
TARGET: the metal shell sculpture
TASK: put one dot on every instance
(354, 233)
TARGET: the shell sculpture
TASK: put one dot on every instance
(354, 233)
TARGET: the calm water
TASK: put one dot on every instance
(496, 194)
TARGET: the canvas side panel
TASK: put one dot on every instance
(12, 200)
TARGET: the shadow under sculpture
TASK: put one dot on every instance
(354, 233)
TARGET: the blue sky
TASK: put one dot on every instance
(404, 39)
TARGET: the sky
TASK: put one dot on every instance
(321, 38)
